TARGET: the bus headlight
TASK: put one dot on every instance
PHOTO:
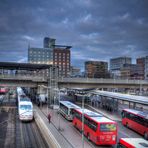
(113, 137)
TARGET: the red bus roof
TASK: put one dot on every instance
(134, 142)
(95, 116)
(137, 112)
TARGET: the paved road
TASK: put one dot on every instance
(75, 137)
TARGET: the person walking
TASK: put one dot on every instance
(49, 117)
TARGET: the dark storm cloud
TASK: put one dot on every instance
(97, 29)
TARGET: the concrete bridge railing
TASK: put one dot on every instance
(23, 77)
(104, 81)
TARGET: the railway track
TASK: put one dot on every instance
(28, 135)
(17, 134)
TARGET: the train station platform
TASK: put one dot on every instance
(63, 132)
(49, 131)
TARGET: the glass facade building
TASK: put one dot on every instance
(117, 63)
(40, 55)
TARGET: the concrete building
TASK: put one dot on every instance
(48, 42)
(57, 55)
(62, 59)
(132, 71)
(96, 69)
(141, 61)
(117, 63)
(40, 55)
(146, 68)
(75, 71)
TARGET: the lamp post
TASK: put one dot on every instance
(140, 92)
(59, 109)
(47, 100)
(83, 121)
(58, 90)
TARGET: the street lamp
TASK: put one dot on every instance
(59, 109)
(83, 97)
(47, 100)
(58, 90)
(83, 121)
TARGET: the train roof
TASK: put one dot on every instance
(137, 112)
(136, 142)
(95, 116)
(69, 104)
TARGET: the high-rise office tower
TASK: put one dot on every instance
(117, 63)
(61, 58)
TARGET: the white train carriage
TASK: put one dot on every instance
(25, 110)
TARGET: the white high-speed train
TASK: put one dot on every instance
(25, 106)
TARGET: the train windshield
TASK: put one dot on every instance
(25, 107)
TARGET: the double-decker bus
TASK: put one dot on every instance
(97, 128)
(132, 143)
(136, 120)
(66, 109)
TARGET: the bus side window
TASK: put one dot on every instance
(86, 121)
(120, 146)
(146, 122)
(123, 114)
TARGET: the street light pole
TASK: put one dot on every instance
(83, 121)
(59, 109)
(47, 100)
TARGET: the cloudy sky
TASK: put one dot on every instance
(96, 29)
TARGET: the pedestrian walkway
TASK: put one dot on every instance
(65, 128)
(62, 142)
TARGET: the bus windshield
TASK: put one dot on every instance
(25, 107)
(107, 127)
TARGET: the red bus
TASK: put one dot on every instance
(132, 143)
(97, 128)
(3, 90)
(136, 120)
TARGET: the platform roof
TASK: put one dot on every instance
(126, 97)
(119, 96)
(23, 66)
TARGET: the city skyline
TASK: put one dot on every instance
(96, 30)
